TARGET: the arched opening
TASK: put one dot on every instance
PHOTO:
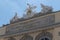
(44, 36)
(27, 37)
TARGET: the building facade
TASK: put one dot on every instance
(41, 26)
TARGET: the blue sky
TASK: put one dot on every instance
(9, 7)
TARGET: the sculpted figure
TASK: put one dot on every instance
(46, 9)
(15, 18)
(29, 11)
(30, 8)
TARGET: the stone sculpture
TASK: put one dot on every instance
(46, 9)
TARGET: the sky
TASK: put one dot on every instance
(8, 8)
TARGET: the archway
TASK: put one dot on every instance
(44, 36)
(44, 39)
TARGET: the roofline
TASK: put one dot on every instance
(31, 18)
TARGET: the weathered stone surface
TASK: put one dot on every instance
(36, 23)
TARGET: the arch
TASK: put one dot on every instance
(27, 37)
(44, 35)
(11, 38)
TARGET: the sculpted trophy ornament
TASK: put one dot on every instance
(46, 9)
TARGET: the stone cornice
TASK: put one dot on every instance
(39, 29)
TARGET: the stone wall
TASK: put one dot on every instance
(2, 30)
(57, 33)
(33, 35)
(57, 17)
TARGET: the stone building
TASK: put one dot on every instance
(44, 25)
